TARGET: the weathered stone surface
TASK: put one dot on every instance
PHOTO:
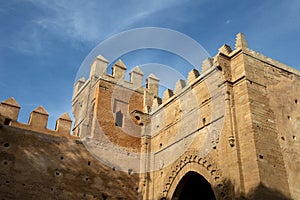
(193, 74)
(206, 64)
(39, 166)
(10, 108)
(236, 126)
(168, 93)
(136, 77)
(98, 67)
(240, 41)
(180, 84)
(225, 49)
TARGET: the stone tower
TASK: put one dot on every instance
(229, 132)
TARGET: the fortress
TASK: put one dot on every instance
(230, 131)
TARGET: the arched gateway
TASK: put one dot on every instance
(193, 186)
(194, 175)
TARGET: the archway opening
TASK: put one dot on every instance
(193, 186)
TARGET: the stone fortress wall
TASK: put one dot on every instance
(236, 125)
(38, 163)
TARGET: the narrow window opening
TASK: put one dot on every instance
(7, 121)
(119, 119)
(204, 121)
(261, 157)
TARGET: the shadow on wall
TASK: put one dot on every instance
(40, 166)
(261, 192)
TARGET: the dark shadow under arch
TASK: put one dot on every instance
(193, 186)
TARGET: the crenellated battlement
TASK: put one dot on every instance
(38, 119)
(98, 71)
(231, 126)
(101, 84)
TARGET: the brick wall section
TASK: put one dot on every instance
(108, 95)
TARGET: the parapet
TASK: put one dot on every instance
(193, 74)
(136, 77)
(10, 109)
(150, 90)
(240, 41)
(38, 120)
(180, 84)
(78, 85)
(99, 70)
(167, 95)
(242, 45)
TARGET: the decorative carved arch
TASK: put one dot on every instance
(206, 167)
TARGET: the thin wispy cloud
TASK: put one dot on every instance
(92, 20)
(43, 42)
(84, 22)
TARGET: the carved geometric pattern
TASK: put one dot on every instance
(192, 156)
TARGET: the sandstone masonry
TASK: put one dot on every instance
(229, 132)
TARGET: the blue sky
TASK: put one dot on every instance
(43, 43)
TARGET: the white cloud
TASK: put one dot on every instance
(85, 22)
(92, 20)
